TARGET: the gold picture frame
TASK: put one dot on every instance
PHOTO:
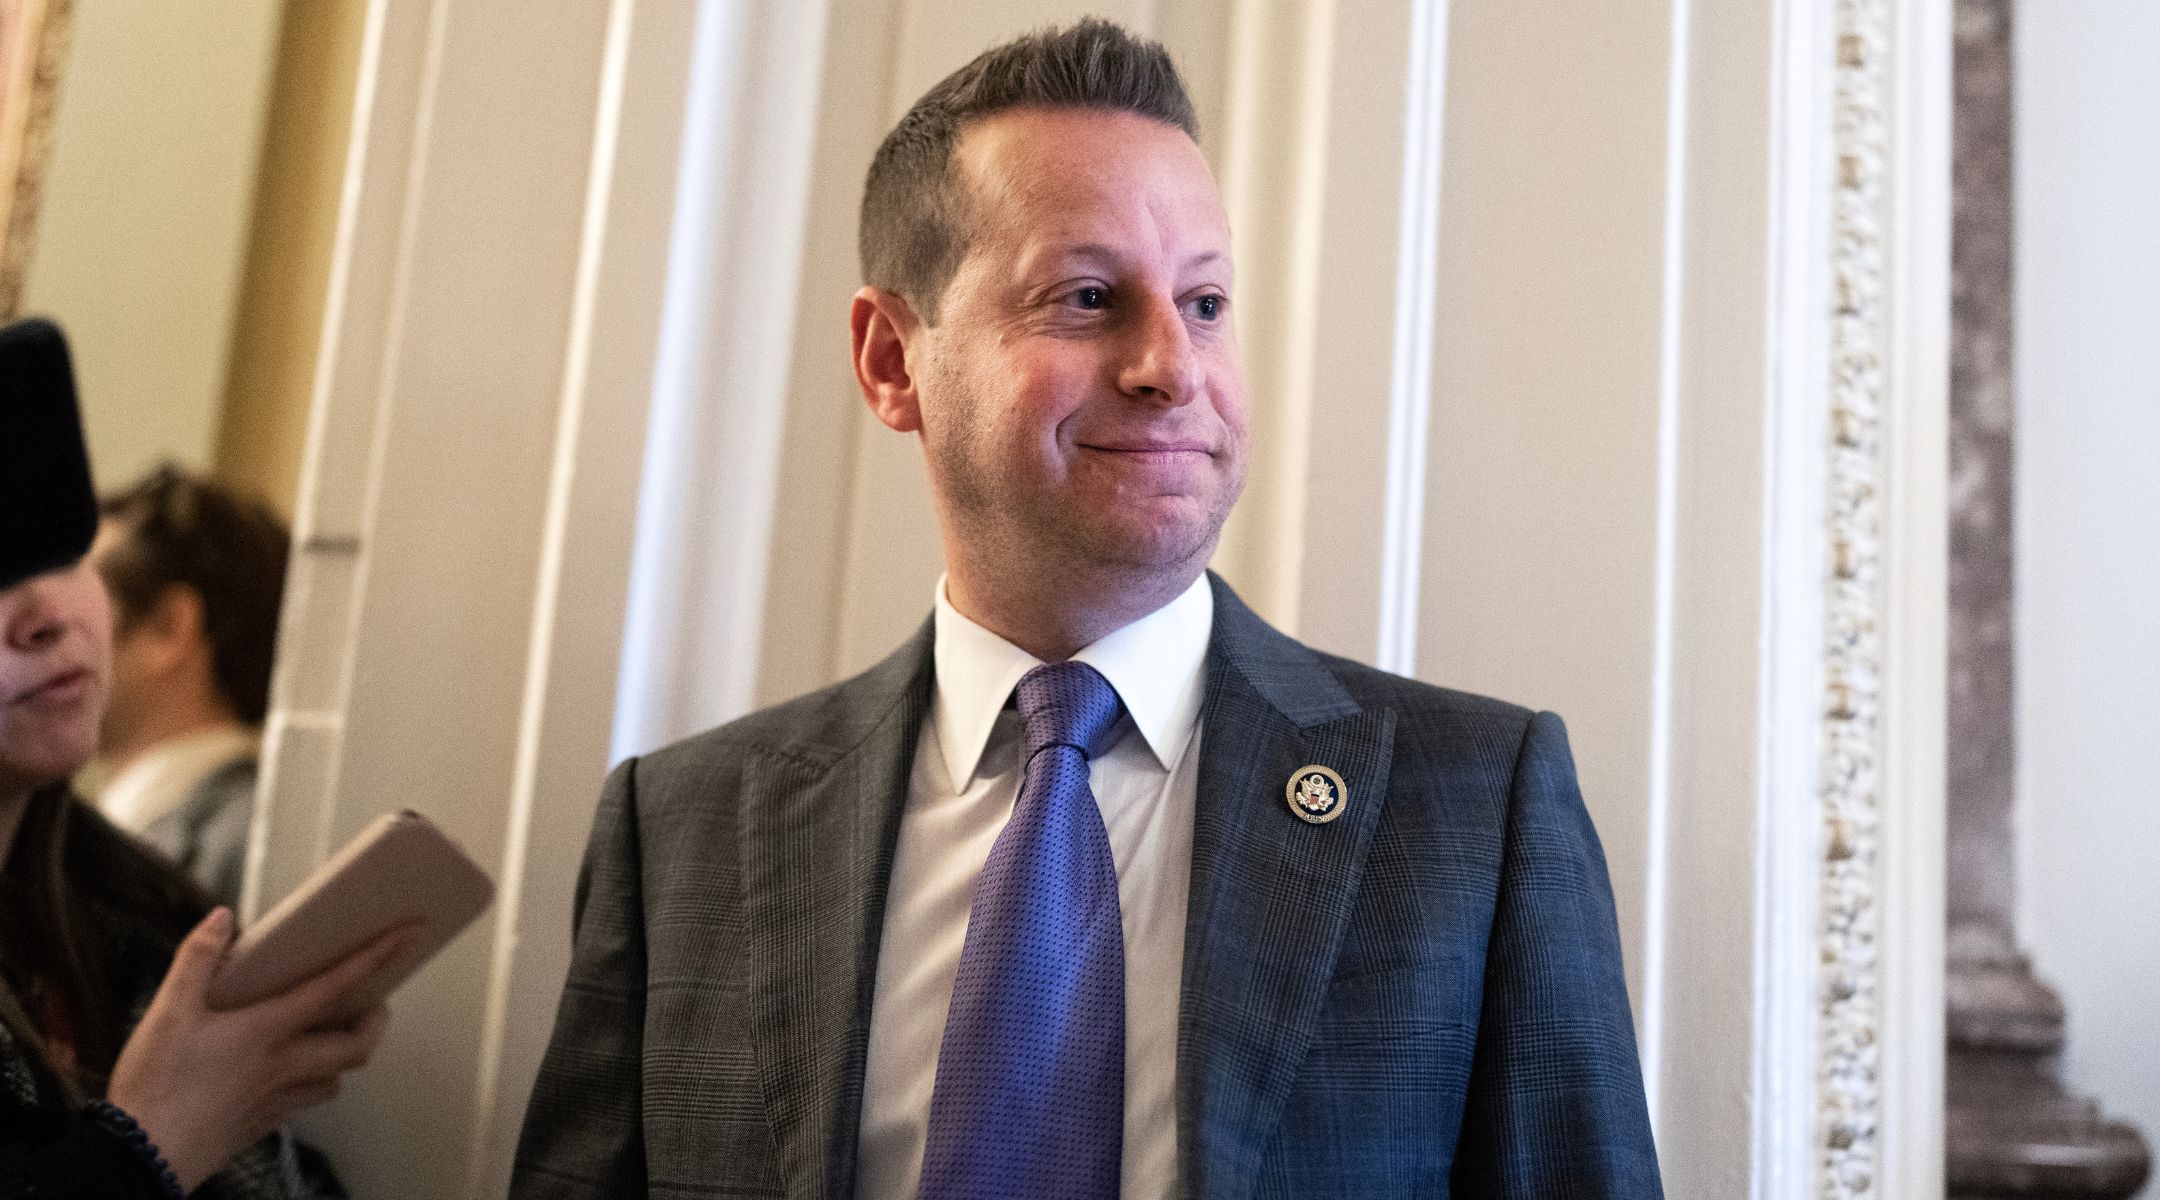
(33, 45)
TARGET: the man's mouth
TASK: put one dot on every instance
(1164, 451)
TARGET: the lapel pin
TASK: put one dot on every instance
(1316, 794)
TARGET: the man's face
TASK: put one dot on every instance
(141, 658)
(55, 664)
(1081, 396)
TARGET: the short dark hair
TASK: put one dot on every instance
(910, 237)
(181, 530)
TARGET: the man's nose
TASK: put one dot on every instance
(1161, 366)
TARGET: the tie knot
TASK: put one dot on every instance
(1068, 704)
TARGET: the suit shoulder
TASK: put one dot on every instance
(1439, 721)
(779, 729)
(814, 730)
(1460, 752)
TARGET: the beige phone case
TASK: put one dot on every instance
(401, 868)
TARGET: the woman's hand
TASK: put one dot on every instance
(205, 1085)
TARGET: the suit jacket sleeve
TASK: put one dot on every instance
(583, 1134)
(1555, 1103)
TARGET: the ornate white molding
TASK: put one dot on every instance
(26, 123)
(1849, 1081)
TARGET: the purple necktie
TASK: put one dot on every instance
(1030, 1095)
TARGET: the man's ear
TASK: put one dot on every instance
(884, 326)
(172, 629)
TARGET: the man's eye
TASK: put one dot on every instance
(1092, 297)
(1209, 307)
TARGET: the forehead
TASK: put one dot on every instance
(1040, 179)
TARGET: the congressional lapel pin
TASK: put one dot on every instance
(1316, 794)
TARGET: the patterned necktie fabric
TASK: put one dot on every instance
(1030, 1093)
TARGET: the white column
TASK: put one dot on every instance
(455, 617)
(710, 496)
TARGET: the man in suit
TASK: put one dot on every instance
(1099, 886)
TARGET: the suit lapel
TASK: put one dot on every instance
(820, 820)
(1270, 894)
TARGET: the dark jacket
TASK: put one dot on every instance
(56, 1151)
(1422, 997)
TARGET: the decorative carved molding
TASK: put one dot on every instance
(26, 135)
(1849, 1075)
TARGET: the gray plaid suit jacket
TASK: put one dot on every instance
(1422, 998)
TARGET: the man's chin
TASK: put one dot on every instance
(1164, 547)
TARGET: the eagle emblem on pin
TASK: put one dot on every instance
(1316, 794)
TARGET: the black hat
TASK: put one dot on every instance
(48, 512)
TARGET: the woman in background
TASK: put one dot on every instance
(116, 1079)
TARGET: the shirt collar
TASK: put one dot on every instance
(162, 777)
(1154, 663)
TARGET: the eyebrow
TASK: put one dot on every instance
(1103, 253)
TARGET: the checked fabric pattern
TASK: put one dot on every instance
(1030, 1093)
(1461, 1031)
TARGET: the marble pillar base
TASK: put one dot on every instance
(2013, 1132)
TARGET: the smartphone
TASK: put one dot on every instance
(401, 869)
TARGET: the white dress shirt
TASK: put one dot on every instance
(966, 778)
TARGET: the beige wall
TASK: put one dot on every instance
(143, 230)
(1551, 262)
(262, 431)
(186, 234)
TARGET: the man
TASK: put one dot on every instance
(1099, 886)
(197, 573)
